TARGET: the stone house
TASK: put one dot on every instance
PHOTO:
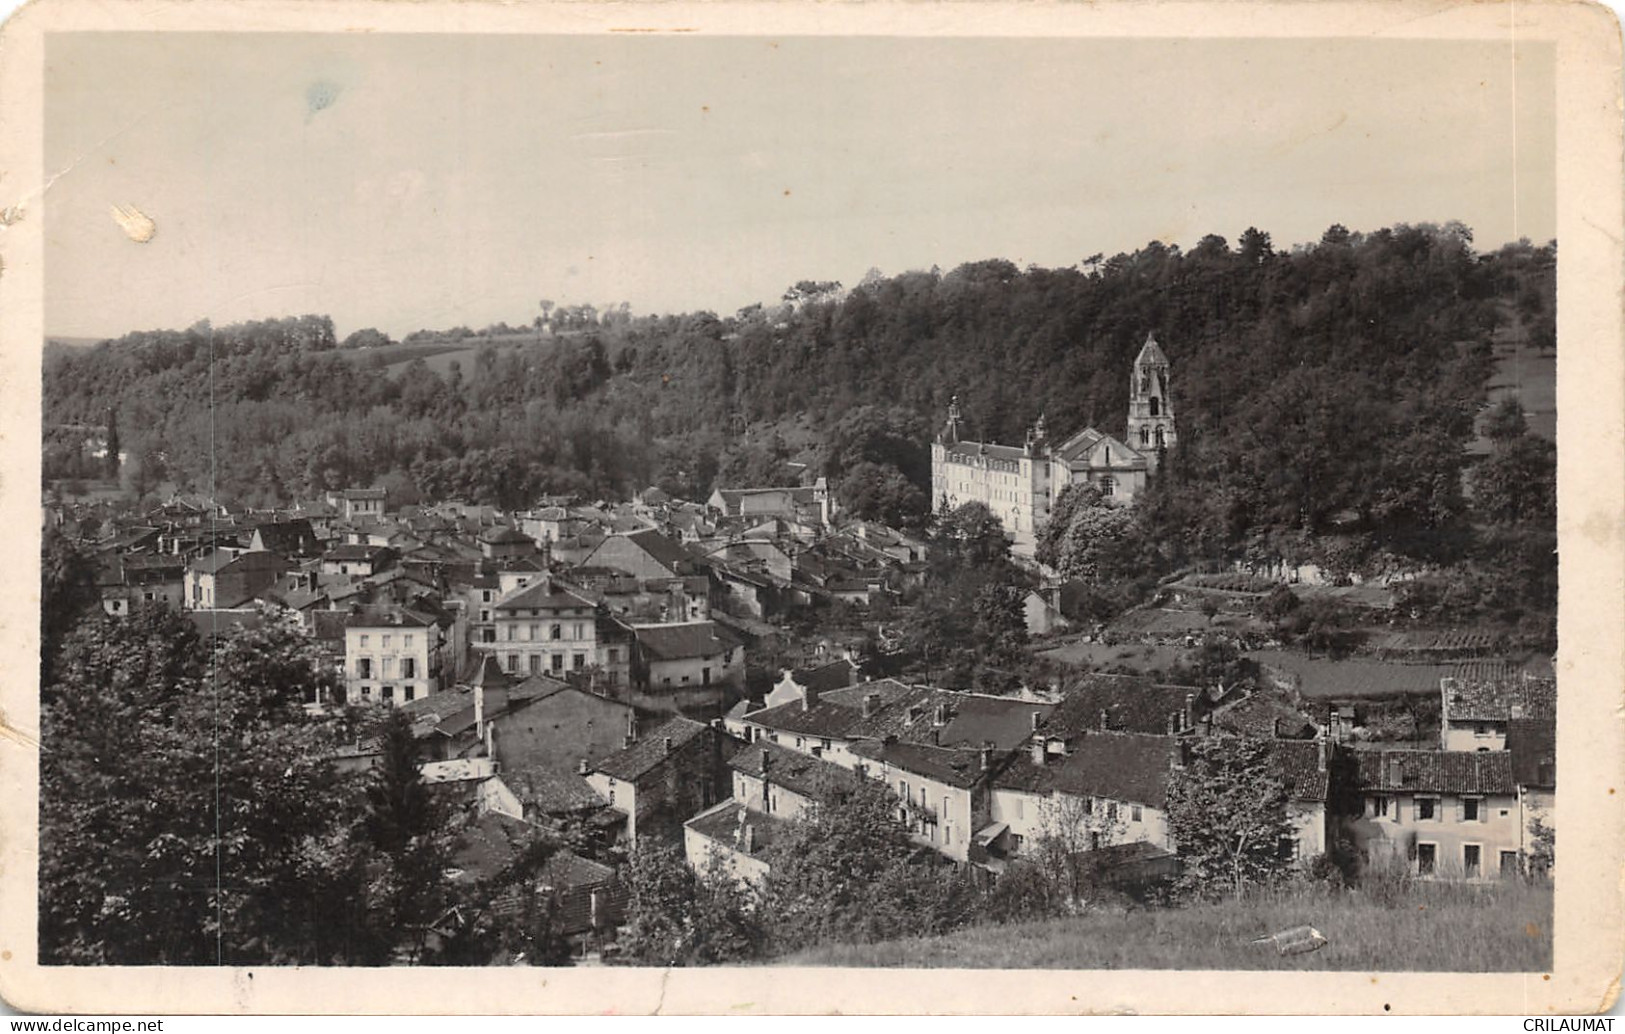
(666, 777)
(1438, 814)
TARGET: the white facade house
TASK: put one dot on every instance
(393, 655)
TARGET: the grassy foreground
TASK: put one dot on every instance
(1439, 927)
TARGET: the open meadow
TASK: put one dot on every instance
(1416, 927)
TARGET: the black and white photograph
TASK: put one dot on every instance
(615, 496)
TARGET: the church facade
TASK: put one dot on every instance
(1020, 484)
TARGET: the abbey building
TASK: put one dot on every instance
(1019, 484)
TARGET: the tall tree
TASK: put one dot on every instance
(1227, 814)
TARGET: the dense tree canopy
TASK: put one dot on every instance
(1303, 379)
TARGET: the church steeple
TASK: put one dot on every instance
(1150, 411)
(950, 433)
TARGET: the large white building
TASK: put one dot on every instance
(393, 655)
(1020, 484)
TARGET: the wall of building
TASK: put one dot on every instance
(561, 730)
(696, 672)
(1396, 837)
(388, 648)
(699, 849)
(769, 798)
(526, 643)
(620, 553)
(1473, 736)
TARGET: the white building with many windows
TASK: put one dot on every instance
(1021, 484)
(544, 628)
(393, 655)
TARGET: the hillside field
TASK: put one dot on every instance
(1421, 927)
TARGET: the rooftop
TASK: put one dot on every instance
(726, 824)
(690, 639)
(1120, 766)
(1498, 699)
(955, 766)
(651, 750)
(1436, 771)
(791, 769)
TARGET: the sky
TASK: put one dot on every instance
(404, 182)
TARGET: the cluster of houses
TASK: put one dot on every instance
(652, 601)
(985, 780)
(584, 665)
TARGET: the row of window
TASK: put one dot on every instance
(1472, 860)
(576, 631)
(1429, 809)
(387, 693)
(555, 662)
(364, 667)
(407, 639)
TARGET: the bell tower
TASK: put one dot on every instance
(1150, 414)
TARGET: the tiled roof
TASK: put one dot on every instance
(1532, 742)
(834, 675)
(1436, 771)
(1299, 761)
(544, 595)
(956, 766)
(963, 451)
(691, 639)
(435, 708)
(663, 549)
(800, 773)
(504, 535)
(1021, 773)
(650, 751)
(1132, 703)
(826, 718)
(1263, 714)
(388, 617)
(853, 696)
(1497, 700)
(288, 536)
(551, 791)
(723, 824)
(358, 552)
(971, 719)
(1120, 766)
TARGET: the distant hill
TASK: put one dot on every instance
(59, 343)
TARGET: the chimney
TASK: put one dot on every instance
(665, 745)
(1038, 719)
(1189, 717)
(1102, 719)
(940, 718)
(987, 757)
(1036, 751)
(871, 704)
(1396, 771)
(479, 705)
(582, 768)
(750, 838)
(1173, 722)
(766, 758)
(631, 727)
(809, 698)
(1320, 750)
